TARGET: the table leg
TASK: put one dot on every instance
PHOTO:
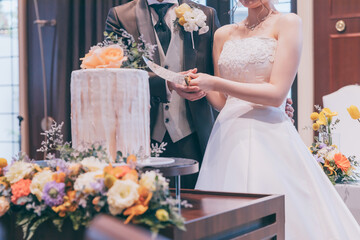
(177, 190)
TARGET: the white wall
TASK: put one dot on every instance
(306, 71)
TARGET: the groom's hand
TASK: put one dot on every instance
(289, 110)
(191, 93)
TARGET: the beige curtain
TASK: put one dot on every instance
(23, 86)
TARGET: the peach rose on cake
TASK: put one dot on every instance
(111, 56)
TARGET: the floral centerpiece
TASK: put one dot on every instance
(80, 184)
(118, 52)
(336, 166)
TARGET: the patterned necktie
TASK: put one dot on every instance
(162, 29)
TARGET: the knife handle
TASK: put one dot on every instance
(187, 80)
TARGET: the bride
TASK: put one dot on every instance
(253, 146)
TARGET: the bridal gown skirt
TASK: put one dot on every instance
(256, 149)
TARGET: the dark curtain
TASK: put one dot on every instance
(80, 24)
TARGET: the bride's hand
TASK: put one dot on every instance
(205, 82)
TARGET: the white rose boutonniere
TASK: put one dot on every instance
(191, 19)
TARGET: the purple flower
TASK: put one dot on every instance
(319, 159)
(59, 164)
(322, 145)
(98, 186)
(53, 193)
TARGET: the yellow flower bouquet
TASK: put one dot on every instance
(336, 166)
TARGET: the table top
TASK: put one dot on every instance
(181, 166)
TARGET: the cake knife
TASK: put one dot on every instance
(167, 74)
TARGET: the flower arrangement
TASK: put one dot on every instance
(81, 184)
(191, 19)
(118, 52)
(336, 166)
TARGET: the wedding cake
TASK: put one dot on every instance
(111, 107)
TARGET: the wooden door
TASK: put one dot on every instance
(337, 53)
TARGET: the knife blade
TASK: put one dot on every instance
(167, 74)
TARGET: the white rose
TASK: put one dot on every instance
(331, 154)
(148, 180)
(18, 171)
(121, 195)
(84, 181)
(93, 164)
(39, 181)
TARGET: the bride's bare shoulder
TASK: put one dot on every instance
(225, 32)
(289, 20)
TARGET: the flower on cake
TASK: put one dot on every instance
(118, 51)
(111, 56)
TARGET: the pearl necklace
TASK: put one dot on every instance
(252, 27)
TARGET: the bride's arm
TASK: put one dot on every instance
(215, 98)
(284, 69)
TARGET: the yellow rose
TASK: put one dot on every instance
(322, 119)
(4, 206)
(162, 215)
(354, 112)
(182, 9)
(329, 113)
(182, 21)
(316, 126)
(314, 116)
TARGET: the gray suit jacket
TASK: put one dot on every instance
(135, 18)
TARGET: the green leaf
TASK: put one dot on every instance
(58, 223)
(35, 225)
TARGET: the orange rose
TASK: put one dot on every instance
(20, 189)
(91, 60)
(111, 56)
(342, 162)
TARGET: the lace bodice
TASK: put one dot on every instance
(248, 59)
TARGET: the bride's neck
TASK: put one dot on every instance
(257, 14)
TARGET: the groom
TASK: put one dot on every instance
(179, 116)
(185, 125)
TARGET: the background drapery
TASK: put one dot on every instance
(80, 24)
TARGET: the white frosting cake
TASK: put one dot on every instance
(111, 107)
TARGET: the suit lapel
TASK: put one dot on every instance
(145, 26)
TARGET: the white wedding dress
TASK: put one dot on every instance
(256, 149)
